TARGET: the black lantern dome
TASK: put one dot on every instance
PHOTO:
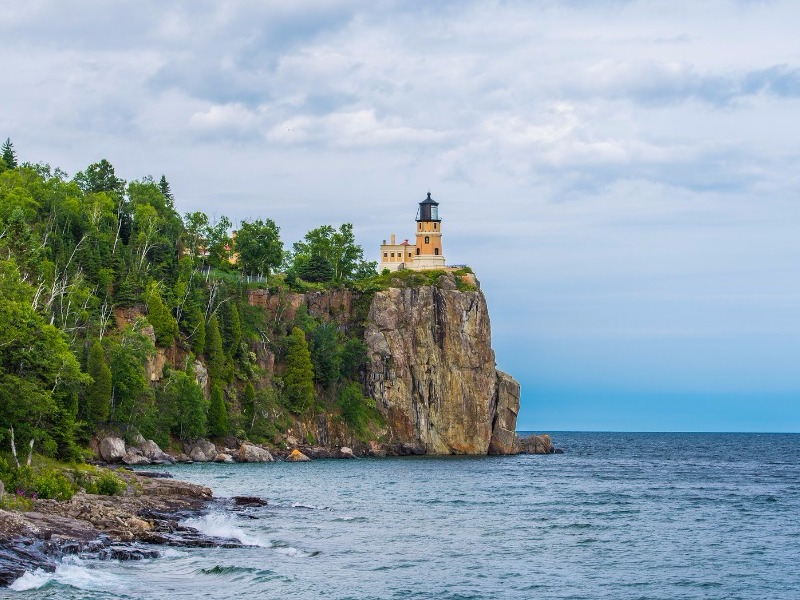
(428, 210)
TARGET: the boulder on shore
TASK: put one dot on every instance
(345, 452)
(536, 444)
(223, 457)
(297, 456)
(202, 451)
(133, 458)
(112, 449)
(152, 451)
(251, 453)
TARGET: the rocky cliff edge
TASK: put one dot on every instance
(432, 372)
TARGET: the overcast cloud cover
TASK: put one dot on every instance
(622, 175)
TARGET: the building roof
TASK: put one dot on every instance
(429, 200)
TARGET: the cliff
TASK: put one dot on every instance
(432, 371)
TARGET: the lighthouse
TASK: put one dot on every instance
(427, 252)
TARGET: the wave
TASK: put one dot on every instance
(287, 550)
(309, 506)
(71, 572)
(223, 526)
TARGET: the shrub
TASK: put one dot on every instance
(108, 484)
(52, 485)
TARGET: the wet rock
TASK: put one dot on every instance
(297, 456)
(345, 452)
(558, 451)
(223, 458)
(126, 553)
(249, 501)
(376, 449)
(112, 449)
(155, 474)
(537, 444)
(250, 453)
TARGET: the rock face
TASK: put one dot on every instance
(504, 436)
(537, 444)
(432, 374)
(112, 449)
(251, 453)
(202, 451)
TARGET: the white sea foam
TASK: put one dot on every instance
(72, 572)
(224, 526)
(287, 550)
(309, 506)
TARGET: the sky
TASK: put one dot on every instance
(622, 175)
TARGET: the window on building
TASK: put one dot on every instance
(434, 225)
(436, 251)
(392, 254)
(417, 251)
(385, 254)
(409, 255)
(427, 239)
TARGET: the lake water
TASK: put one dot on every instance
(617, 516)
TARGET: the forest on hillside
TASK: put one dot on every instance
(97, 274)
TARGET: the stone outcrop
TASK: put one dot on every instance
(504, 435)
(112, 449)
(201, 451)
(432, 374)
(537, 444)
(251, 453)
(297, 456)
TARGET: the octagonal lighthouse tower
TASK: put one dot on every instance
(428, 252)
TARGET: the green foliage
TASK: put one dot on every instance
(325, 354)
(39, 375)
(298, 379)
(231, 328)
(98, 394)
(185, 405)
(337, 248)
(353, 358)
(259, 246)
(100, 177)
(52, 485)
(356, 409)
(163, 187)
(107, 484)
(315, 268)
(217, 413)
(164, 324)
(9, 155)
(215, 356)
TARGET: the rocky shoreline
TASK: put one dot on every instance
(104, 527)
(146, 452)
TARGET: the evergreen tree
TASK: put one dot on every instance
(185, 404)
(9, 154)
(215, 356)
(316, 269)
(164, 324)
(325, 354)
(249, 403)
(298, 379)
(217, 413)
(195, 327)
(231, 328)
(163, 185)
(98, 396)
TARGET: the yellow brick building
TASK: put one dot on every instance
(426, 253)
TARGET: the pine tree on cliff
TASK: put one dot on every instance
(164, 324)
(231, 328)
(249, 403)
(98, 396)
(217, 413)
(298, 379)
(163, 185)
(9, 155)
(215, 356)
